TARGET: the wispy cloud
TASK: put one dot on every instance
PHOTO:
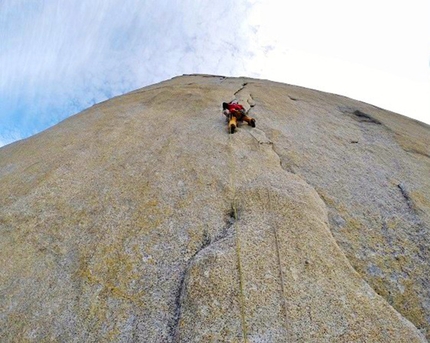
(60, 57)
(374, 51)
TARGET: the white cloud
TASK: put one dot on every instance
(58, 57)
(374, 51)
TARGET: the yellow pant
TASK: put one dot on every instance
(235, 117)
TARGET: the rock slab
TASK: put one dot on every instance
(142, 220)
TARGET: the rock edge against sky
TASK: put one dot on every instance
(142, 219)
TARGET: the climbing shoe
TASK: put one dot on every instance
(232, 128)
(252, 122)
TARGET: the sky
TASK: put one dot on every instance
(58, 57)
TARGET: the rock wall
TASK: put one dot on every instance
(142, 220)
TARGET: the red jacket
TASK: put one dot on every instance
(235, 108)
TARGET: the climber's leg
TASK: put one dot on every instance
(249, 120)
(232, 124)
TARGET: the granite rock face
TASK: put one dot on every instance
(142, 220)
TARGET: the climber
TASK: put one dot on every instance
(235, 113)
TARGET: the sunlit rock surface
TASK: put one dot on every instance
(142, 220)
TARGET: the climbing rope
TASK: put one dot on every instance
(232, 174)
(278, 254)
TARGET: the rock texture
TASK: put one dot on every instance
(142, 220)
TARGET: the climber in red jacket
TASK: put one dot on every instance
(235, 113)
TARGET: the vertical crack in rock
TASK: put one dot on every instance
(241, 88)
(410, 205)
(279, 261)
(281, 276)
(275, 233)
(285, 167)
(251, 103)
(249, 99)
(234, 216)
(241, 288)
(173, 325)
(260, 136)
(406, 196)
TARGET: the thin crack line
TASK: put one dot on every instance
(241, 283)
(206, 243)
(174, 326)
(232, 173)
(404, 193)
(412, 151)
(241, 88)
(281, 274)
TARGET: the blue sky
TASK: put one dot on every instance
(60, 57)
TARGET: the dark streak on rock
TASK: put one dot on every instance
(241, 88)
(405, 194)
(412, 151)
(291, 98)
(226, 230)
(173, 324)
(231, 215)
(205, 241)
(360, 115)
(364, 117)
